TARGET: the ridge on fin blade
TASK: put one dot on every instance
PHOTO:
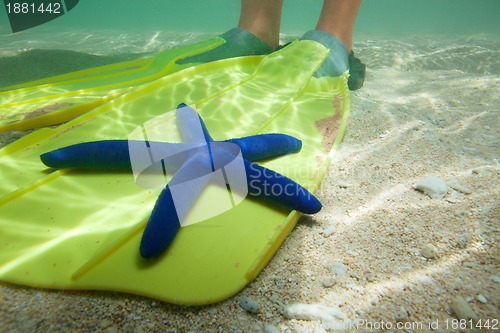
(58, 99)
(83, 228)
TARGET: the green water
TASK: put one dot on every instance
(398, 17)
(404, 34)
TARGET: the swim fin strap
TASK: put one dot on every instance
(81, 229)
(61, 98)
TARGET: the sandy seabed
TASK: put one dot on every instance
(427, 109)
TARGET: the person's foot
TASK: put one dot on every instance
(239, 42)
(338, 61)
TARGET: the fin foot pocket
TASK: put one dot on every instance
(239, 42)
(357, 73)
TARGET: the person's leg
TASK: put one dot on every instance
(257, 33)
(334, 30)
(263, 19)
(338, 18)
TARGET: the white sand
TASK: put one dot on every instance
(417, 115)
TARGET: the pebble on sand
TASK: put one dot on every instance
(249, 305)
(433, 187)
(481, 299)
(331, 318)
(271, 329)
(454, 184)
(339, 271)
(402, 315)
(462, 310)
(463, 240)
(428, 251)
(328, 231)
(328, 282)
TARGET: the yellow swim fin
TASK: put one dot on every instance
(61, 98)
(81, 229)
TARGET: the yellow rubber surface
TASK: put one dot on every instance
(61, 98)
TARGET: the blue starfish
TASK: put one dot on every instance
(198, 156)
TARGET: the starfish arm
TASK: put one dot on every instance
(173, 204)
(262, 146)
(279, 189)
(99, 154)
(188, 122)
(121, 154)
(162, 226)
